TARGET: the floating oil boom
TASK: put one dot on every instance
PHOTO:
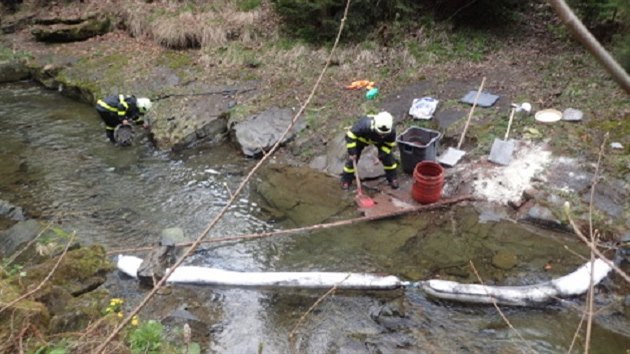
(575, 283)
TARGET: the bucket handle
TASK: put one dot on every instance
(407, 149)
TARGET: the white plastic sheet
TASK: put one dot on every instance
(423, 108)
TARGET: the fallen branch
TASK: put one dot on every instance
(420, 208)
(207, 93)
(591, 44)
(232, 199)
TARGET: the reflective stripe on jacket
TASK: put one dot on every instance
(124, 106)
(114, 104)
(363, 132)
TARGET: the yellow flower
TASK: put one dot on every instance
(119, 314)
(134, 320)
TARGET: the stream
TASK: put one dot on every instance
(58, 165)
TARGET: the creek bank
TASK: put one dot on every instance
(68, 301)
(76, 298)
(185, 116)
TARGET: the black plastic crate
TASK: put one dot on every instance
(416, 145)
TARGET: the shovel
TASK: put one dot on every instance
(363, 201)
(452, 155)
(501, 151)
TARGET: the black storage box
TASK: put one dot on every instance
(417, 145)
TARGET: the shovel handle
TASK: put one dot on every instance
(472, 109)
(507, 132)
(356, 176)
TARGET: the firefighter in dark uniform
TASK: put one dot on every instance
(375, 130)
(121, 109)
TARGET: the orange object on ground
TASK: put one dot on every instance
(355, 85)
(362, 200)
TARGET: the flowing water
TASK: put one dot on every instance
(57, 164)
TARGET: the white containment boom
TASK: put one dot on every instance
(575, 283)
(213, 276)
(572, 284)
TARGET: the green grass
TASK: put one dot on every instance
(175, 59)
(247, 5)
(7, 54)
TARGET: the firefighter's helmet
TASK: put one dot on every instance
(383, 122)
(144, 105)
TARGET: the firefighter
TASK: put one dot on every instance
(375, 130)
(122, 109)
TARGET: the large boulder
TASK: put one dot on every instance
(177, 123)
(260, 132)
(17, 236)
(13, 70)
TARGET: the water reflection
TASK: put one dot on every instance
(56, 161)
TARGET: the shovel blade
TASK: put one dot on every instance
(451, 156)
(363, 201)
(501, 152)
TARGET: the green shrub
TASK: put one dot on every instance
(318, 20)
(593, 13)
(622, 51)
(609, 22)
(478, 14)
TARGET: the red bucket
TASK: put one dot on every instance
(428, 179)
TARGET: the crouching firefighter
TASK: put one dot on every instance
(374, 130)
(122, 109)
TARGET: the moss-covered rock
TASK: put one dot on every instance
(13, 70)
(68, 31)
(305, 196)
(19, 315)
(79, 312)
(80, 270)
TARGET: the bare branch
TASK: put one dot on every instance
(310, 309)
(591, 44)
(205, 232)
(590, 242)
(29, 244)
(38, 287)
(496, 306)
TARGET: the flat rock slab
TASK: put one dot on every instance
(484, 100)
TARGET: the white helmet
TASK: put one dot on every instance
(144, 104)
(383, 122)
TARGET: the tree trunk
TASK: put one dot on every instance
(592, 45)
